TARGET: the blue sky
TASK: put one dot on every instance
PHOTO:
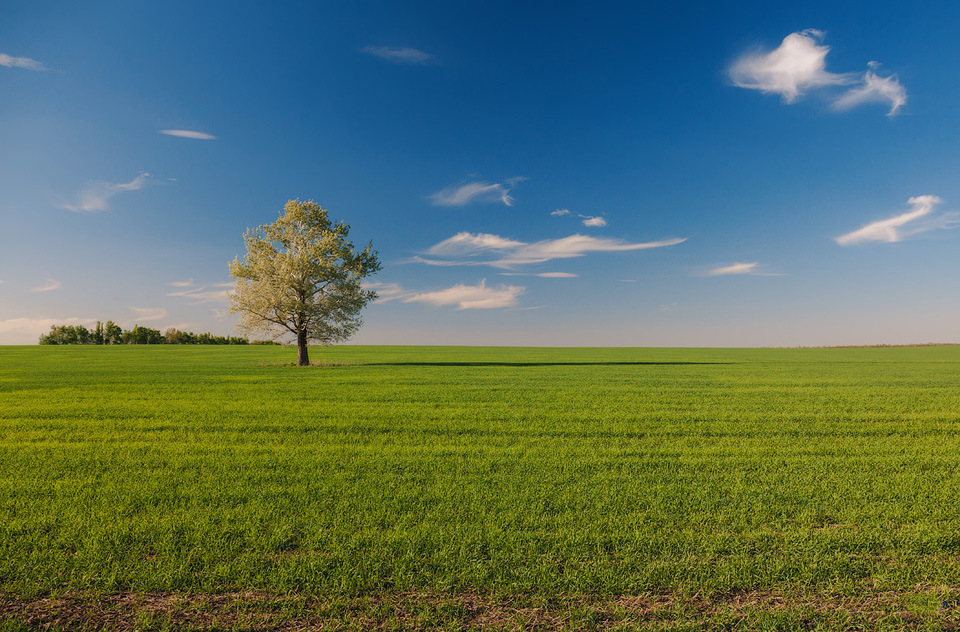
(723, 174)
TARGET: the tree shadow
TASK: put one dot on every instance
(544, 363)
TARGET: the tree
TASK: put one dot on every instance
(302, 276)
(112, 333)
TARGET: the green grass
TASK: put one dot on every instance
(562, 476)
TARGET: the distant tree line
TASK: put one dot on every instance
(112, 334)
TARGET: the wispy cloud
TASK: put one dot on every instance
(560, 212)
(471, 296)
(593, 221)
(149, 313)
(875, 89)
(462, 296)
(202, 293)
(186, 133)
(49, 286)
(472, 243)
(798, 66)
(492, 250)
(920, 219)
(666, 307)
(476, 193)
(387, 292)
(400, 55)
(94, 196)
(544, 275)
(740, 268)
(735, 268)
(21, 62)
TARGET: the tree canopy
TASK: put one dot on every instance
(302, 276)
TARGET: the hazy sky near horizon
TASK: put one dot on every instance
(680, 174)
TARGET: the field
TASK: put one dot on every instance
(159, 487)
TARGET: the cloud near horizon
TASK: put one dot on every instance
(149, 313)
(49, 286)
(480, 192)
(27, 331)
(919, 220)
(21, 62)
(508, 253)
(95, 195)
(400, 55)
(798, 66)
(186, 133)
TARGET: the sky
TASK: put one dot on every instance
(564, 174)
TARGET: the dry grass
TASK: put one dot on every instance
(926, 607)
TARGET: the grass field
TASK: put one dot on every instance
(216, 487)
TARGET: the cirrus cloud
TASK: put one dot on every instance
(480, 192)
(186, 133)
(149, 313)
(473, 249)
(21, 62)
(920, 219)
(400, 55)
(49, 286)
(95, 195)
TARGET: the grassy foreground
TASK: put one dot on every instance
(487, 487)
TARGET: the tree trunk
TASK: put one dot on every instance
(303, 358)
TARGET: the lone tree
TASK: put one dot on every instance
(302, 276)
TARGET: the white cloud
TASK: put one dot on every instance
(464, 246)
(186, 133)
(470, 243)
(471, 296)
(794, 67)
(736, 268)
(919, 220)
(476, 192)
(593, 221)
(95, 195)
(202, 293)
(798, 66)
(400, 54)
(149, 313)
(49, 286)
(544, 275)
(26, 331)
(873, 90)
(387, 292)
(21, 62)
(740, 268)
(666, 307)
(560, 212)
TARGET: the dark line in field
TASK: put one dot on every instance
(523, 364)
